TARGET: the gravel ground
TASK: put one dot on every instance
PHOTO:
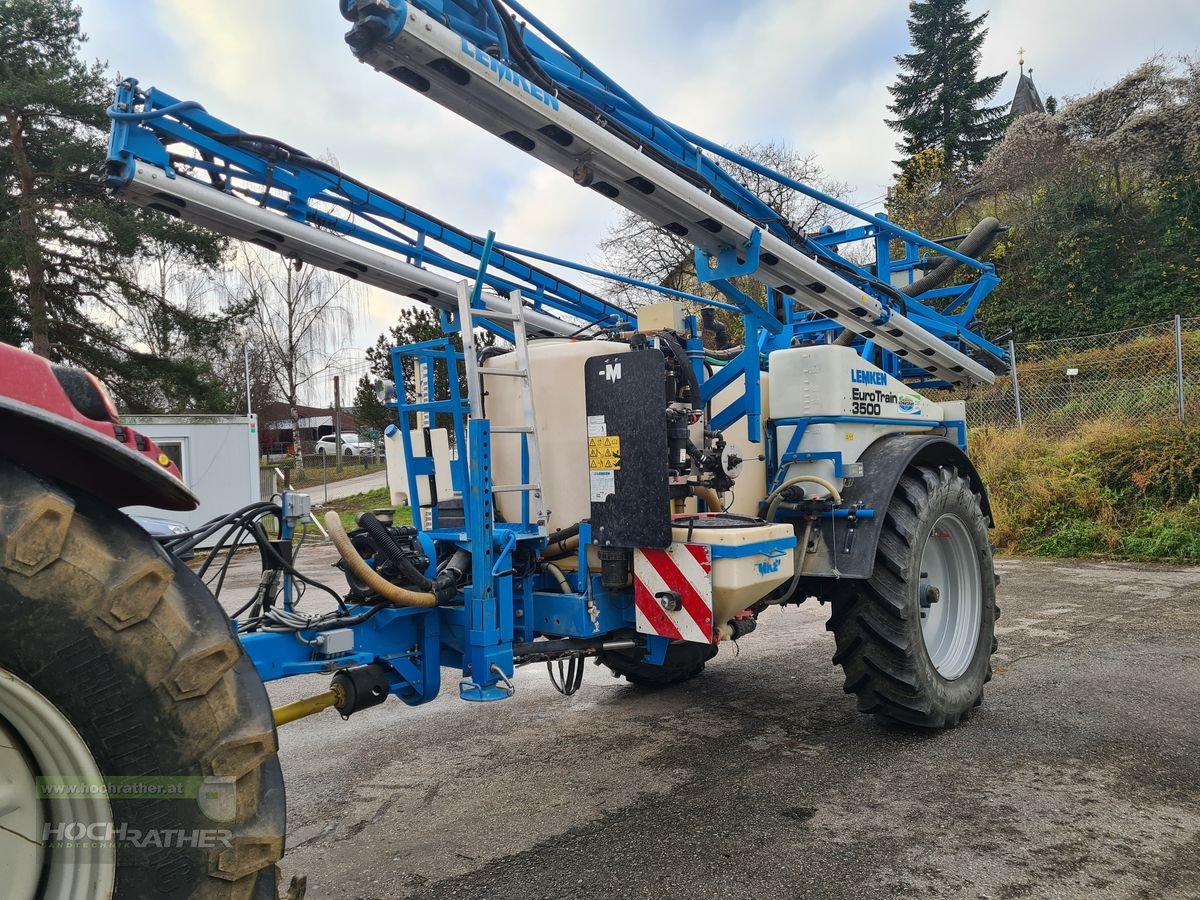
(1078, 777)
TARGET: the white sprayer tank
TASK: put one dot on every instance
(556, 371)
(827, 381)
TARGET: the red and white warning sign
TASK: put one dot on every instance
(672, 589)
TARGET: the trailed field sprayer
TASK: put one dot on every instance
(625, 486)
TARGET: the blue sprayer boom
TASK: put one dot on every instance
(624, 484)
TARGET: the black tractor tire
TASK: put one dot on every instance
(876, 623)
(684, 661)
(132, 648)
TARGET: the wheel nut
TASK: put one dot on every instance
(932, 594)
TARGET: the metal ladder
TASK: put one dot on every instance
(533, 511)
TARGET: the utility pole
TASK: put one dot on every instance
(1182, 396)
(247, 348)
(337, 419)
(1016, 383)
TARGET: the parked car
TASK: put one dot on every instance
(163, 530)
(352, 445)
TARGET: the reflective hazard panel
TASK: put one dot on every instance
(672, 590)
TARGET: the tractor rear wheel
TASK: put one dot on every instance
(122, 684)
(915, 640)
(684, 661)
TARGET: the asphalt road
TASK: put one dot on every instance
(1079, 776)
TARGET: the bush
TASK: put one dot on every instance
(1108, 489)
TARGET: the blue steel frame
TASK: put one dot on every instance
(476, 632)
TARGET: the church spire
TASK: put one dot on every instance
(1026, 98)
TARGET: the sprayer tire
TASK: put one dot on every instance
(130, 647)
(878, 624)
(684, 661)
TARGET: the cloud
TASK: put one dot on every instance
(812, 74)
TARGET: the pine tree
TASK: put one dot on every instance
(70, 253)
(417, 324)
(939, 100)
(369, 410)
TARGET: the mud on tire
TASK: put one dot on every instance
(876, 623)
(140, 658)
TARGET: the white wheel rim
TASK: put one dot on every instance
(950, 623)
(37, 740)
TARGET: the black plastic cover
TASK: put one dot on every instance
(627, 447)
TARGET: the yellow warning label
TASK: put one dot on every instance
(604, 452)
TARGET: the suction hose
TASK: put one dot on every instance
(974, 245)
(359, 569)
(710, 498)
(384, 544)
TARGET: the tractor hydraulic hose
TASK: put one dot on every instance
(368, 576)
(727, 354)
(685, 365)
(384, 544)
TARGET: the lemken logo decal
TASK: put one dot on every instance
(862, 376)
(504, 73)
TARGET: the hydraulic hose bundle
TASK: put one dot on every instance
(424, 591)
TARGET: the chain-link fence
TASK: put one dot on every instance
(1138, 374)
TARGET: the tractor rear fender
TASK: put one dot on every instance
(843, 551)
(59, 423)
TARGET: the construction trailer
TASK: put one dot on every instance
(217, 458)
(622, 485)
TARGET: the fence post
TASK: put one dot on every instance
(1012, 361)
(1179, 363)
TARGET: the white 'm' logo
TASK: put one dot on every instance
(612, 371)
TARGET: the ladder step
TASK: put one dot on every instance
(495, 315)
(512, 429)
(510, 373)
(515, 488)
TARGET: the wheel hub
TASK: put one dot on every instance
(950, 597)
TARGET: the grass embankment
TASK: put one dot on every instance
(1114, 490)
(348, 508)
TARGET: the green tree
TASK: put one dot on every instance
(1103, 200)
(417, 324)
(939, 101)
(71, 252)
(368, 410)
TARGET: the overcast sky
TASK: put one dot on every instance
(810, 73)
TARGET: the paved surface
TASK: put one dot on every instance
(349, 487)
(1079, 777)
